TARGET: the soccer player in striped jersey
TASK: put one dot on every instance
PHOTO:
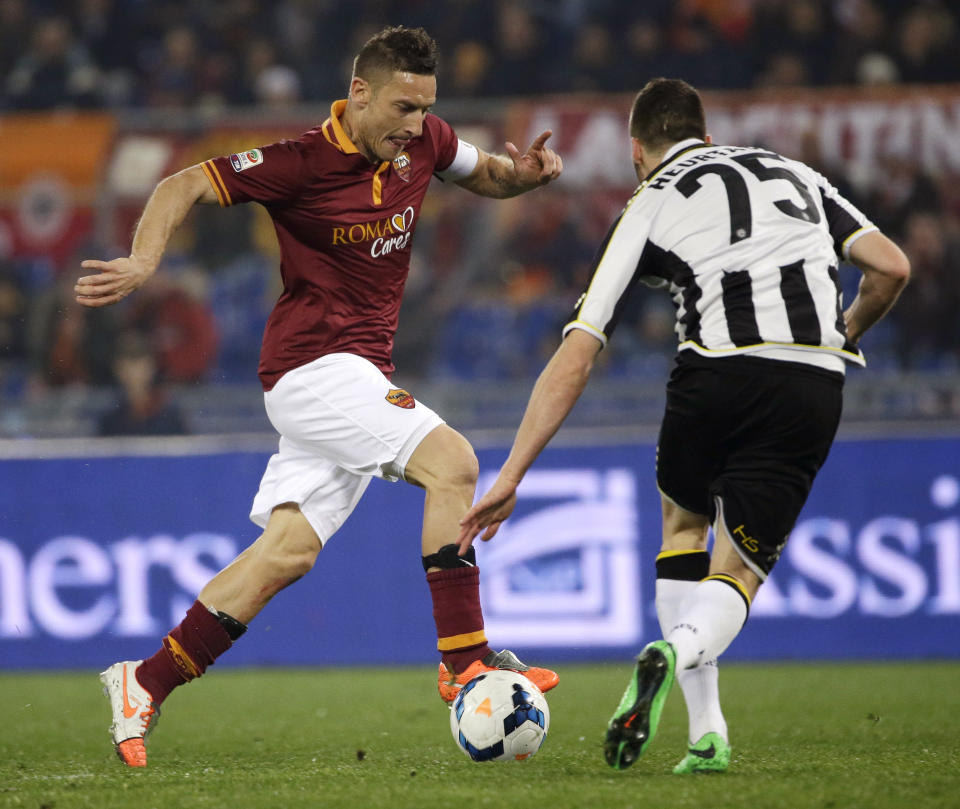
(748, 244)
(345, 199)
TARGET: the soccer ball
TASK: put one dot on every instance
(499, 716)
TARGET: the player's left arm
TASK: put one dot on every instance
(886, 271)
(885, 267)
(557, 389)
(502, 176)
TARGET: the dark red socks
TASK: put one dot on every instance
(459, 619)
(185, 654)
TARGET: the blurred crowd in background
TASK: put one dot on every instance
(179, 53)
(477, 309)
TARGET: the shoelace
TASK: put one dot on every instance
(146, 717)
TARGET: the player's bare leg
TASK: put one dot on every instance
(284, 552)
(445, 466)
(682, 530)
(726, 561)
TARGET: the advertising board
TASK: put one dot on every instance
(99, 556)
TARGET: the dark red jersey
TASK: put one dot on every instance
(344, 226)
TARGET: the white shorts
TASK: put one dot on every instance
(341, 422)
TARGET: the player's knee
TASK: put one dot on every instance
(300, 566)
(464, 468)
(288, 550)
(461, 469)
(285, 565)
(449, 463)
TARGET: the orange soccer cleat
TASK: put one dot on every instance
(449, 684)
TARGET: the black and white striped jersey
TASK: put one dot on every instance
(746, 241)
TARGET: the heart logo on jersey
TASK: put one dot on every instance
(400, 398)
(402, 221)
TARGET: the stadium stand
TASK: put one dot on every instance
(161, 85)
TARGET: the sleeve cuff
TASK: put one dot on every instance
(579, 324)
(848, 242)
(219, 188)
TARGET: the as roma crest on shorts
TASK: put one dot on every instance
(403, 166)
(400, 398)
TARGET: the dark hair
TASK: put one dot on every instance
(411, 50)
(666, 111)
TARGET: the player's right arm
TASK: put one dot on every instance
(169, 203)
(555, 393)
(886, 271)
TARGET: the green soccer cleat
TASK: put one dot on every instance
(710, 754)
(634, 723)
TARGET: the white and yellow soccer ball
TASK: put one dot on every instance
(499, 716)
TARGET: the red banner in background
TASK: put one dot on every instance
(51, 168)
(60, 175)
(859, 131)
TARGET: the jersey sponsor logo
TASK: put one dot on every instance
(400, 398)
(241, 161)
(403, 166)
(748, 542)
(384, 235)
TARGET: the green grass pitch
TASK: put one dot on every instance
(825, 736)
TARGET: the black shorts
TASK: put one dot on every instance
(742, 440)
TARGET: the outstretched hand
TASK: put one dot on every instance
(538, 165)
(487, 514)
(115, 280)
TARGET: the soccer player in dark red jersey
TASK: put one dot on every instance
(345, 199)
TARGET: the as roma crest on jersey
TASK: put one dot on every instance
(402, 165)
(400, 398)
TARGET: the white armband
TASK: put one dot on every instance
(463, 163)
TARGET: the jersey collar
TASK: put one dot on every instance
(682, 146)
(333, 130)
(679, 148)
